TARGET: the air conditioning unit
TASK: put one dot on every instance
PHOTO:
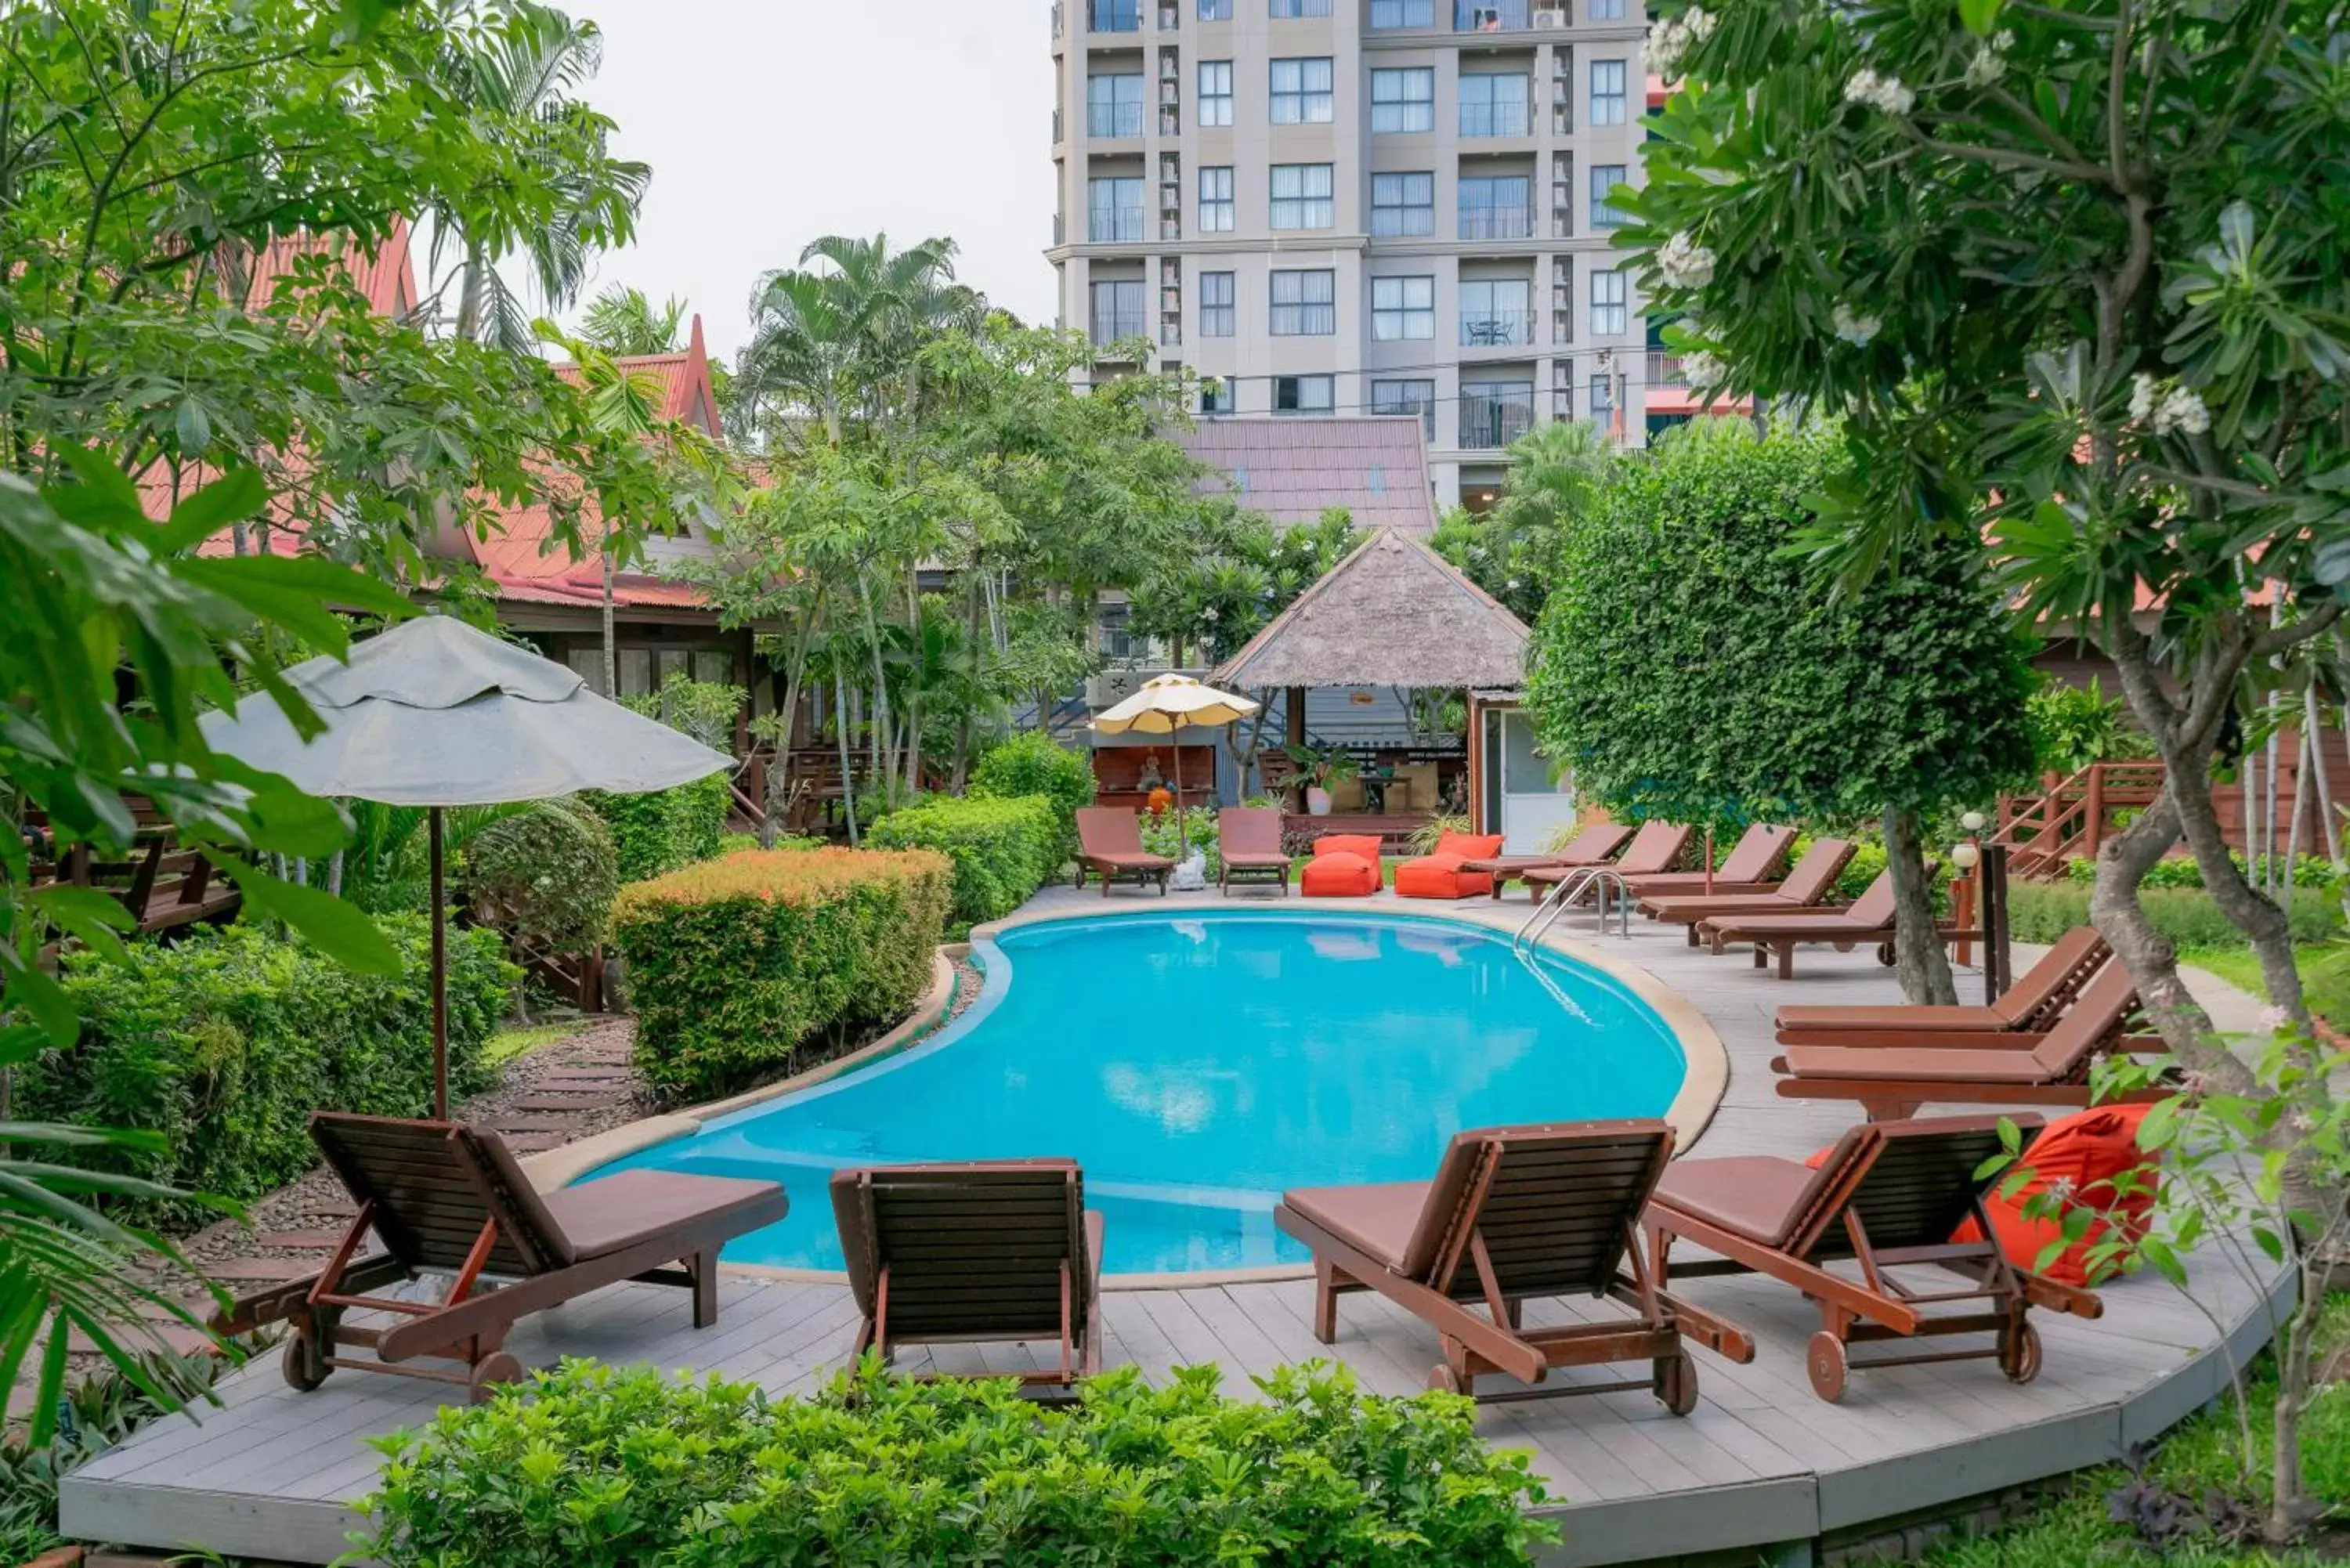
(1111, 687)
(1556, 18)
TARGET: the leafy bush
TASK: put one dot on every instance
(2180, 871)
(660, 832)
(1002, 850)
(545, 876)
(1200, 829)
(100, 1410)
(2042, 911)
(2073, 726)
(591, 1465)
(736, 843)
(225, 1043)
(1868, 863)
(705, 710)
(1033, 762)
(735, 964)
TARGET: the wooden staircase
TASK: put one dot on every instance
(2072, 816)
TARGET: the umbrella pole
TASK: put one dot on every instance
(440, 975)
(1183, 847)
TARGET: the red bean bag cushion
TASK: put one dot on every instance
(1338, 874)
(1439, 876)
(1361, 845)
(1470, 845)
(2086, 1151)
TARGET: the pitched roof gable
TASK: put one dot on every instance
(1292, 468)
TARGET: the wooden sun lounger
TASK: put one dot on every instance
(1593, 847)
(1959, 1067)
(1248, 838)
(999, 1250)
(1812, 878)
(1890, 1194)
(1653, 849)
(1869, 920)
(1515, 1213)
(2033, 1003)
(1747, 868)
(1110, 842)
(445, 1199)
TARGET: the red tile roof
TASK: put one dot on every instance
(385, 274)
(1292, 467)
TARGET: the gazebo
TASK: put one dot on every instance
(1396, 614)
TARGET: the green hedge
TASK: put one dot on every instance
(2042, 911)
(1002, 850)
(736, 965)
(2180, 871)
(225, 1043)
(660, 832)
(595, 1466)
(1033, 762)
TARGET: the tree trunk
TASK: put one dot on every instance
(611, 655)
(469, 293)
(847, 782)
(1919, 959)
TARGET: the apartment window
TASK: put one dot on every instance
(1114, 105)
(1402, 204)
(1407, 397)
(1216, 199)
(1604, 11)
(1496, 207)
(1605, 177)
(1215, 393)
(1303, 394)
(1215, 10)
(1403, 100)
(1496, 312)
(1115, 16)
(1491, 15)
(1495, 413)
(1304, 304)
(1117, 311)
(1607, 92)
(1402, 308)
(1388, 14)
(1301, 90)
(1494, 104)
(1215, 305)
(1286, 8)
(1113, 209)
(1215, 92)
(1302, 196)
(1608, 311)
(1603, 395)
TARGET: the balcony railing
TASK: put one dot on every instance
(1113, 119)
(1665, 369)
(1488, 423)
(1497, 222)
(1114, 15)
(1114, 225)
(1493, 119)
(1492, 15)
(1497, 328)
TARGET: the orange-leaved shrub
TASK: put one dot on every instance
(760, 964)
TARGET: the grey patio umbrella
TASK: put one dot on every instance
(434, 713)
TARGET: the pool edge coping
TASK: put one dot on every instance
(1705, 1078)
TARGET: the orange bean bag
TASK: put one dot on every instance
(1439, 875)
(1344, 865)
(2086, 1151)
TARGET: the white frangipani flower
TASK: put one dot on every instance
(2181, 410)
(2142, 390)
(1673, 38)
(1986, 68)
(1701, 368)
(1208, 614)
(1684, 263)
(1879, 91)
(1856, 330)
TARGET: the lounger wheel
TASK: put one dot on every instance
(1675, 1382)
(498, 1366)
(1885, 954)
(1827, 1365)
(305, 1361)
(2019, 1353)
(1444, 1380)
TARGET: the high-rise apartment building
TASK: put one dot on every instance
(1365, 206)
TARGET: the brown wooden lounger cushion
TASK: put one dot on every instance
(1759, 1196)
(1379, 1218)
(1136, 859)
(616, 1211)
(1921, 1064)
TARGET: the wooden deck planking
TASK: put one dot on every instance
(274, 1473)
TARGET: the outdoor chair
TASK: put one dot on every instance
(1248, 838)
(1745, 869)
(1869, 920)
(1452, 871)
(1812, 879)
(2033, 1003)
(1516, 1213)
(986, 1250)
(1110, 842)
(1344, 865)
(2008, 1067)
(1653, 851)
(1595, 845)
(441, 1198)
(1889, 1195)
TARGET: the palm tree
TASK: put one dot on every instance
(622, 322)
(522, 83)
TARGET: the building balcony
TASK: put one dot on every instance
(1665, 369)
(1497, 16)
(1497, 329)
(1489, 423)
(1114, 225)
(1114, 15)
(1497, 223)
(1113, 119)
(1489, 119)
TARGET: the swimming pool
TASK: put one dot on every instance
(1197, 1065)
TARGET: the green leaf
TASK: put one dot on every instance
(234, 495)
(341, 930)
(85, 913)
(105, 499)
(1980, 16)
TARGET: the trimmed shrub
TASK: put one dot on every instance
(736, 843)
(660, 832)
(736, 965)
(591, 1466)
(2042, 911)
(1033, 762)
(1002, 850)
(2180, 871)
(1200, 831)
(225, 1043)
(544, 877)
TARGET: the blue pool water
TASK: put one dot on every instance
(1197, 1066)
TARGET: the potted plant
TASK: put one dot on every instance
(1321, 767)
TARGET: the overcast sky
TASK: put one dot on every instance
(770, 122)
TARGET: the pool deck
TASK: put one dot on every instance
(1761, 1464)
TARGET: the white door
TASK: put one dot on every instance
(1535, 806)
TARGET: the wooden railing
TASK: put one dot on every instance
(2072, 816)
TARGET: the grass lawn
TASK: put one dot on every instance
(508, 1044)
(2202, 1455)
(2325, 973)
